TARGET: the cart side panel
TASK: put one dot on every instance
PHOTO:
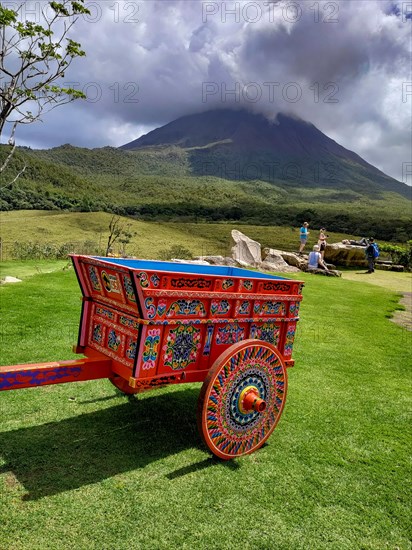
(106, 283)
(113, 333)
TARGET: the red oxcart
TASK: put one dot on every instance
(146, 324)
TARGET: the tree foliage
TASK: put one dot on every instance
(34, 57)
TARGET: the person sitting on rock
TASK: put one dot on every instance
(315, 259)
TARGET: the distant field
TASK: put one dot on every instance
(151, 238)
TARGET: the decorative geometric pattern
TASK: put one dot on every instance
(103, 312)
(181, 347)
(94, 278)
(150, 307)
(290, 337)
(247, 284)
(113, 340)
(97, 333)
(144, 283)
(131, 349)
(110, 282)
(219, 307)
(268, 332)
(208, 341)
(186, 307)
(227, 430)
(129, 288)
(269, 308)
(227, 283)
(243, 308)
(294, 309)
(39, 377)
(161, 307)
(279, 287)
(199, 283)
(155, 280)
(230, 334)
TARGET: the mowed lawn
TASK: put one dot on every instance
(84, 467)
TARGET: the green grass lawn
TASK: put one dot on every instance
(84, 467)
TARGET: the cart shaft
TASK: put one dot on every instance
(56, 372)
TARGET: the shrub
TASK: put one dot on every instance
(176, 251)
(401, 255)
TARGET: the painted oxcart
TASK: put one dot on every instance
(146, 324)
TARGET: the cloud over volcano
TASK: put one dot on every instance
(344, 66)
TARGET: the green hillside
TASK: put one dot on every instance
(87, 232)
(160, 185)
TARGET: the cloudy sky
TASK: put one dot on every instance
(345, 66)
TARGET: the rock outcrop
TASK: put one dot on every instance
(218, 260)
(292, 259)
(246, 252)
(274, 261)
(345, 255)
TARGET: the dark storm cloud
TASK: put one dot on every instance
(342, 65)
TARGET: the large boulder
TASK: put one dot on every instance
(246, 251)
(275, 262)
(279, 267)
(345, 255)
(10, 280)
(218, 260)
(290, 258)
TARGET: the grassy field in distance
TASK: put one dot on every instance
(151, 237)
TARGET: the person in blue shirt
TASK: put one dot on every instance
(303, 236)
(315, 259)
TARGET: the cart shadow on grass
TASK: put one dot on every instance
(61, 456)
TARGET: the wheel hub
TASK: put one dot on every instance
(250, 400)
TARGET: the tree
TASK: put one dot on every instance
(119, 231)
(34, 56)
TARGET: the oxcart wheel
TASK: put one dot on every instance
(123, 385)
(242, 399)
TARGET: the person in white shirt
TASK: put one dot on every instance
(315, 259)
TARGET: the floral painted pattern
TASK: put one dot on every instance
(151, 348)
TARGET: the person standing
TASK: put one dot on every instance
(372, 252)
(303, 236)
(322, 241)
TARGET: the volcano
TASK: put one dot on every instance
(241, 145)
